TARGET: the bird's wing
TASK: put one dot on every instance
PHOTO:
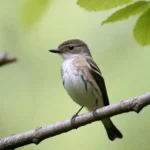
(97, 75)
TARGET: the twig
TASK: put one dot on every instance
(5, 59)
(37, 135)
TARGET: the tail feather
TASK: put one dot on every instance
(111, 130)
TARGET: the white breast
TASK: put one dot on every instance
(74, 83)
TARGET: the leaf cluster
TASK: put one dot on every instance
(129, 8)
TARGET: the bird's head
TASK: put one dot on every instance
(72, 48)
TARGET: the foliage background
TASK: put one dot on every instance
(32, 94)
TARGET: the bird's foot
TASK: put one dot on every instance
(75, 115)
(73, 119)
(95, 113)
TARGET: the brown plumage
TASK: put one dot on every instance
(84, 82)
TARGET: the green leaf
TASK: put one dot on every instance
(33, 10)
(130, 10)
(99, 5)
(142, 29)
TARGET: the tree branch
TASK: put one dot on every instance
(4, 59)
(37, 135)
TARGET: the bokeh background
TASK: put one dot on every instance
(31, 91)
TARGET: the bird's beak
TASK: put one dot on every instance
(56, 50)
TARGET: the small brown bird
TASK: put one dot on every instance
(83, 81)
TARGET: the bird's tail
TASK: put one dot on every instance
(111, 130)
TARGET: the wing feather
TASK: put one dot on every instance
(97, 75)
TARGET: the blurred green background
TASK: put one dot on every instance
(31, 91)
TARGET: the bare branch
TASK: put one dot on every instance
(37, 135)
(4, 59)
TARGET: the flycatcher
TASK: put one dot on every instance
(83, 81)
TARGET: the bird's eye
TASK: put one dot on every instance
(71, 47)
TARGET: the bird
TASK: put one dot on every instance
(84, 82)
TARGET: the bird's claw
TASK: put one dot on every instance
(73, 119)
(95, 113)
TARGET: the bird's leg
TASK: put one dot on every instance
(94, 110)
(75, 115)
